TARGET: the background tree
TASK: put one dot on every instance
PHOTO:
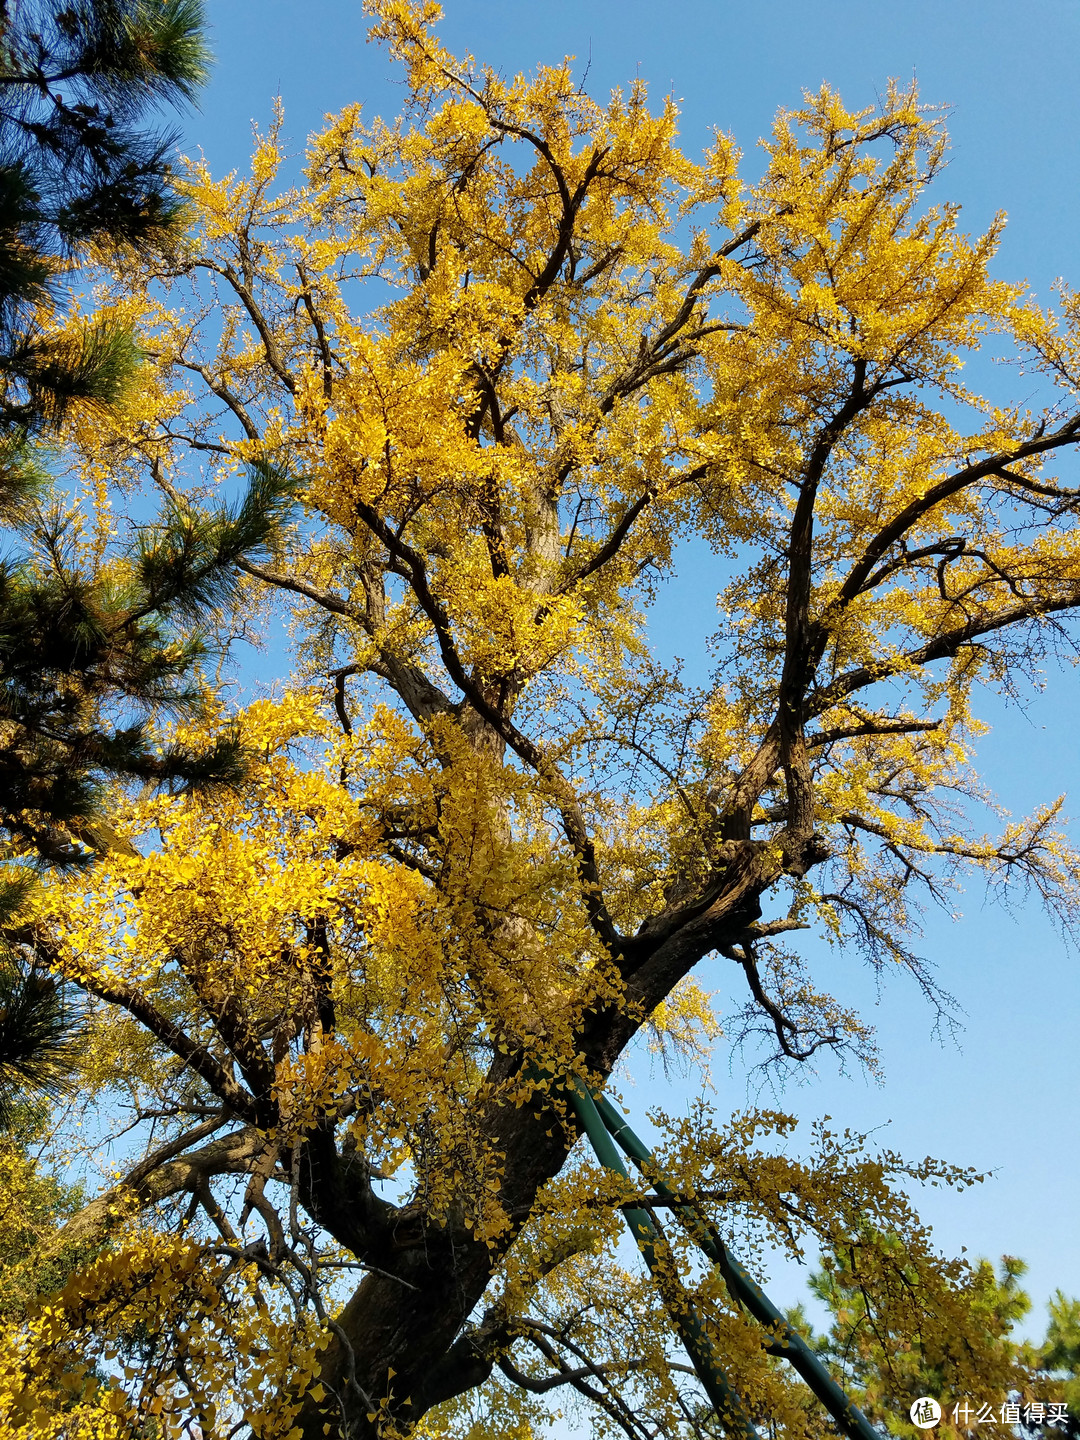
(33, 1204)
(1059, 1353)
(91, 644)
(520, 346)
(74, 80)
(879, 1376)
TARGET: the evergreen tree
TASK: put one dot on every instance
(88, 654)
(77, 170)
(1060, 1352)
(884, 1375)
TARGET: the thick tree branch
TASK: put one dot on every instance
(227, 1013)
(944, 489)
(160, 1177)
(323, 344)
(573, 821)
(799, 636)
(196, 1057)
(229, 397)
(562, 1377)
(325, 599)
(942, 647)
(270, 346)
(821, 738)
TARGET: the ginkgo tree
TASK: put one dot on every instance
(517, 348)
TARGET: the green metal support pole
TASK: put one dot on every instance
(742, 1286)
(729, 1408)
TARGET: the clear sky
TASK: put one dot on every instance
(1004, 1099)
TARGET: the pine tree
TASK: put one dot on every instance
(88, 654)
(1059, 1353)
(75, 171)
(884, 1373)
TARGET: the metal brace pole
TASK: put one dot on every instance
(743, 1289)
(729, 1408)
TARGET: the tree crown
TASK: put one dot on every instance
(520, 347)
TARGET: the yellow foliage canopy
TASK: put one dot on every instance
(520, 347)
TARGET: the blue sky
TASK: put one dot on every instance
(1002, 1098)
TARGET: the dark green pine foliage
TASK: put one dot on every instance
(77, 168)
(38, 1038)
(87, 660)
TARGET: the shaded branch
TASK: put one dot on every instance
(156, 1179)
(822, 738)
(196, 1057)
(562, 1377)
